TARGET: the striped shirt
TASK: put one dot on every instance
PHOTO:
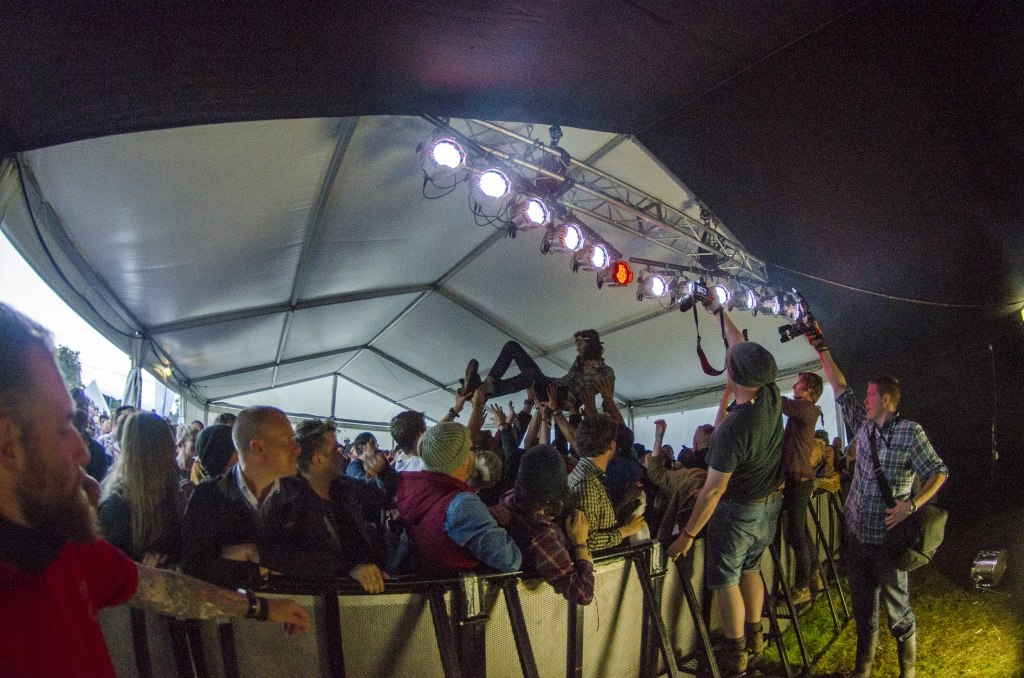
(903, 451)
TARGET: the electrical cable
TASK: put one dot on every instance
(890, 297)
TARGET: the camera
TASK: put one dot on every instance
(803, 323)
(695, 292)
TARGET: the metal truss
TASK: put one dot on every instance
(701, 241)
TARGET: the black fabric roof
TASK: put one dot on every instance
(876, 145)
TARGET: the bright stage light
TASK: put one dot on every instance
(723, 295)
(494, 184)
(594, 257)
(618, 274)
(447, 153)
(651, 284)
(565, 238)
(443, 157)
(534, 212)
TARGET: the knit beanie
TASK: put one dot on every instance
(542, 477)
(445, 447)
(750, 364)
(214, 448)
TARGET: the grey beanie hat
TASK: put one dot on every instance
(445, 447)
(750, 364)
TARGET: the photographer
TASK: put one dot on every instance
(742, 496)
(904, 452)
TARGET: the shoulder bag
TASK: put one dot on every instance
(913, 541)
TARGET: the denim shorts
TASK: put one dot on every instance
(736, 536)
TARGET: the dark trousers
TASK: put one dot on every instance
(794, 500)
(529, 372)
(871, 577)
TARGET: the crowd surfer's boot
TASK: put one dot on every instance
(472, 381)
(906, 650)
(866, 648)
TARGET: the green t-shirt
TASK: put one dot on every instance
(748, 444)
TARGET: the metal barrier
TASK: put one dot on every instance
(648, 617)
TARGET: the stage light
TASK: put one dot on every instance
(618, 274)
(443, 156)
(722, 294)
(534, 213)
(565, 238)
(744, 299)
(493, 184)
(769, 303)
(594, 257)
(651, 284)
(446, 153)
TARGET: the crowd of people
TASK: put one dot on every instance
(548, 485)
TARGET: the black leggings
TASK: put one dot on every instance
(529, 372)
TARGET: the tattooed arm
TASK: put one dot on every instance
(184, 597)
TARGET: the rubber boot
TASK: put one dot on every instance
(906, 650)
(866, 648)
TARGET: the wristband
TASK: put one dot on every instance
(692, 537)
(913, 506)
(452, 413)
(581, 546)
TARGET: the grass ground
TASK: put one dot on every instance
(961, 631)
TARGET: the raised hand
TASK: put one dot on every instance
(499, 415)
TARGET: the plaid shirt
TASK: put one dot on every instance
(545, 550)
(903, 451)
(586, 482)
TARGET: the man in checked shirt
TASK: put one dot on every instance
(904, 452)
(595, 441)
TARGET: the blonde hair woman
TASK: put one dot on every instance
(139, 509)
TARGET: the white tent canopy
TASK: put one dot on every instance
(297, 263)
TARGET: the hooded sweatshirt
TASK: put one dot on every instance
(451, 528)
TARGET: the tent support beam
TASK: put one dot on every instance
(219, 401)
(272, 309)
(408, 368)
(498, 324)
(267, 366)
(345, 128)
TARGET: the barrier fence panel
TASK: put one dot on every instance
(466, 632)
(613, 622)
(156, 644)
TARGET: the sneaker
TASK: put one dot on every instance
(800, 595)
(817, 585)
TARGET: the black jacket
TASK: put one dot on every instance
(290, 532)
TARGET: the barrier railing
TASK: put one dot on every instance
(648, 617)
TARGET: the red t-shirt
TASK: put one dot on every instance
(48, 623)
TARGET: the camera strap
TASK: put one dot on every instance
(883, 482)
(704, 363)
